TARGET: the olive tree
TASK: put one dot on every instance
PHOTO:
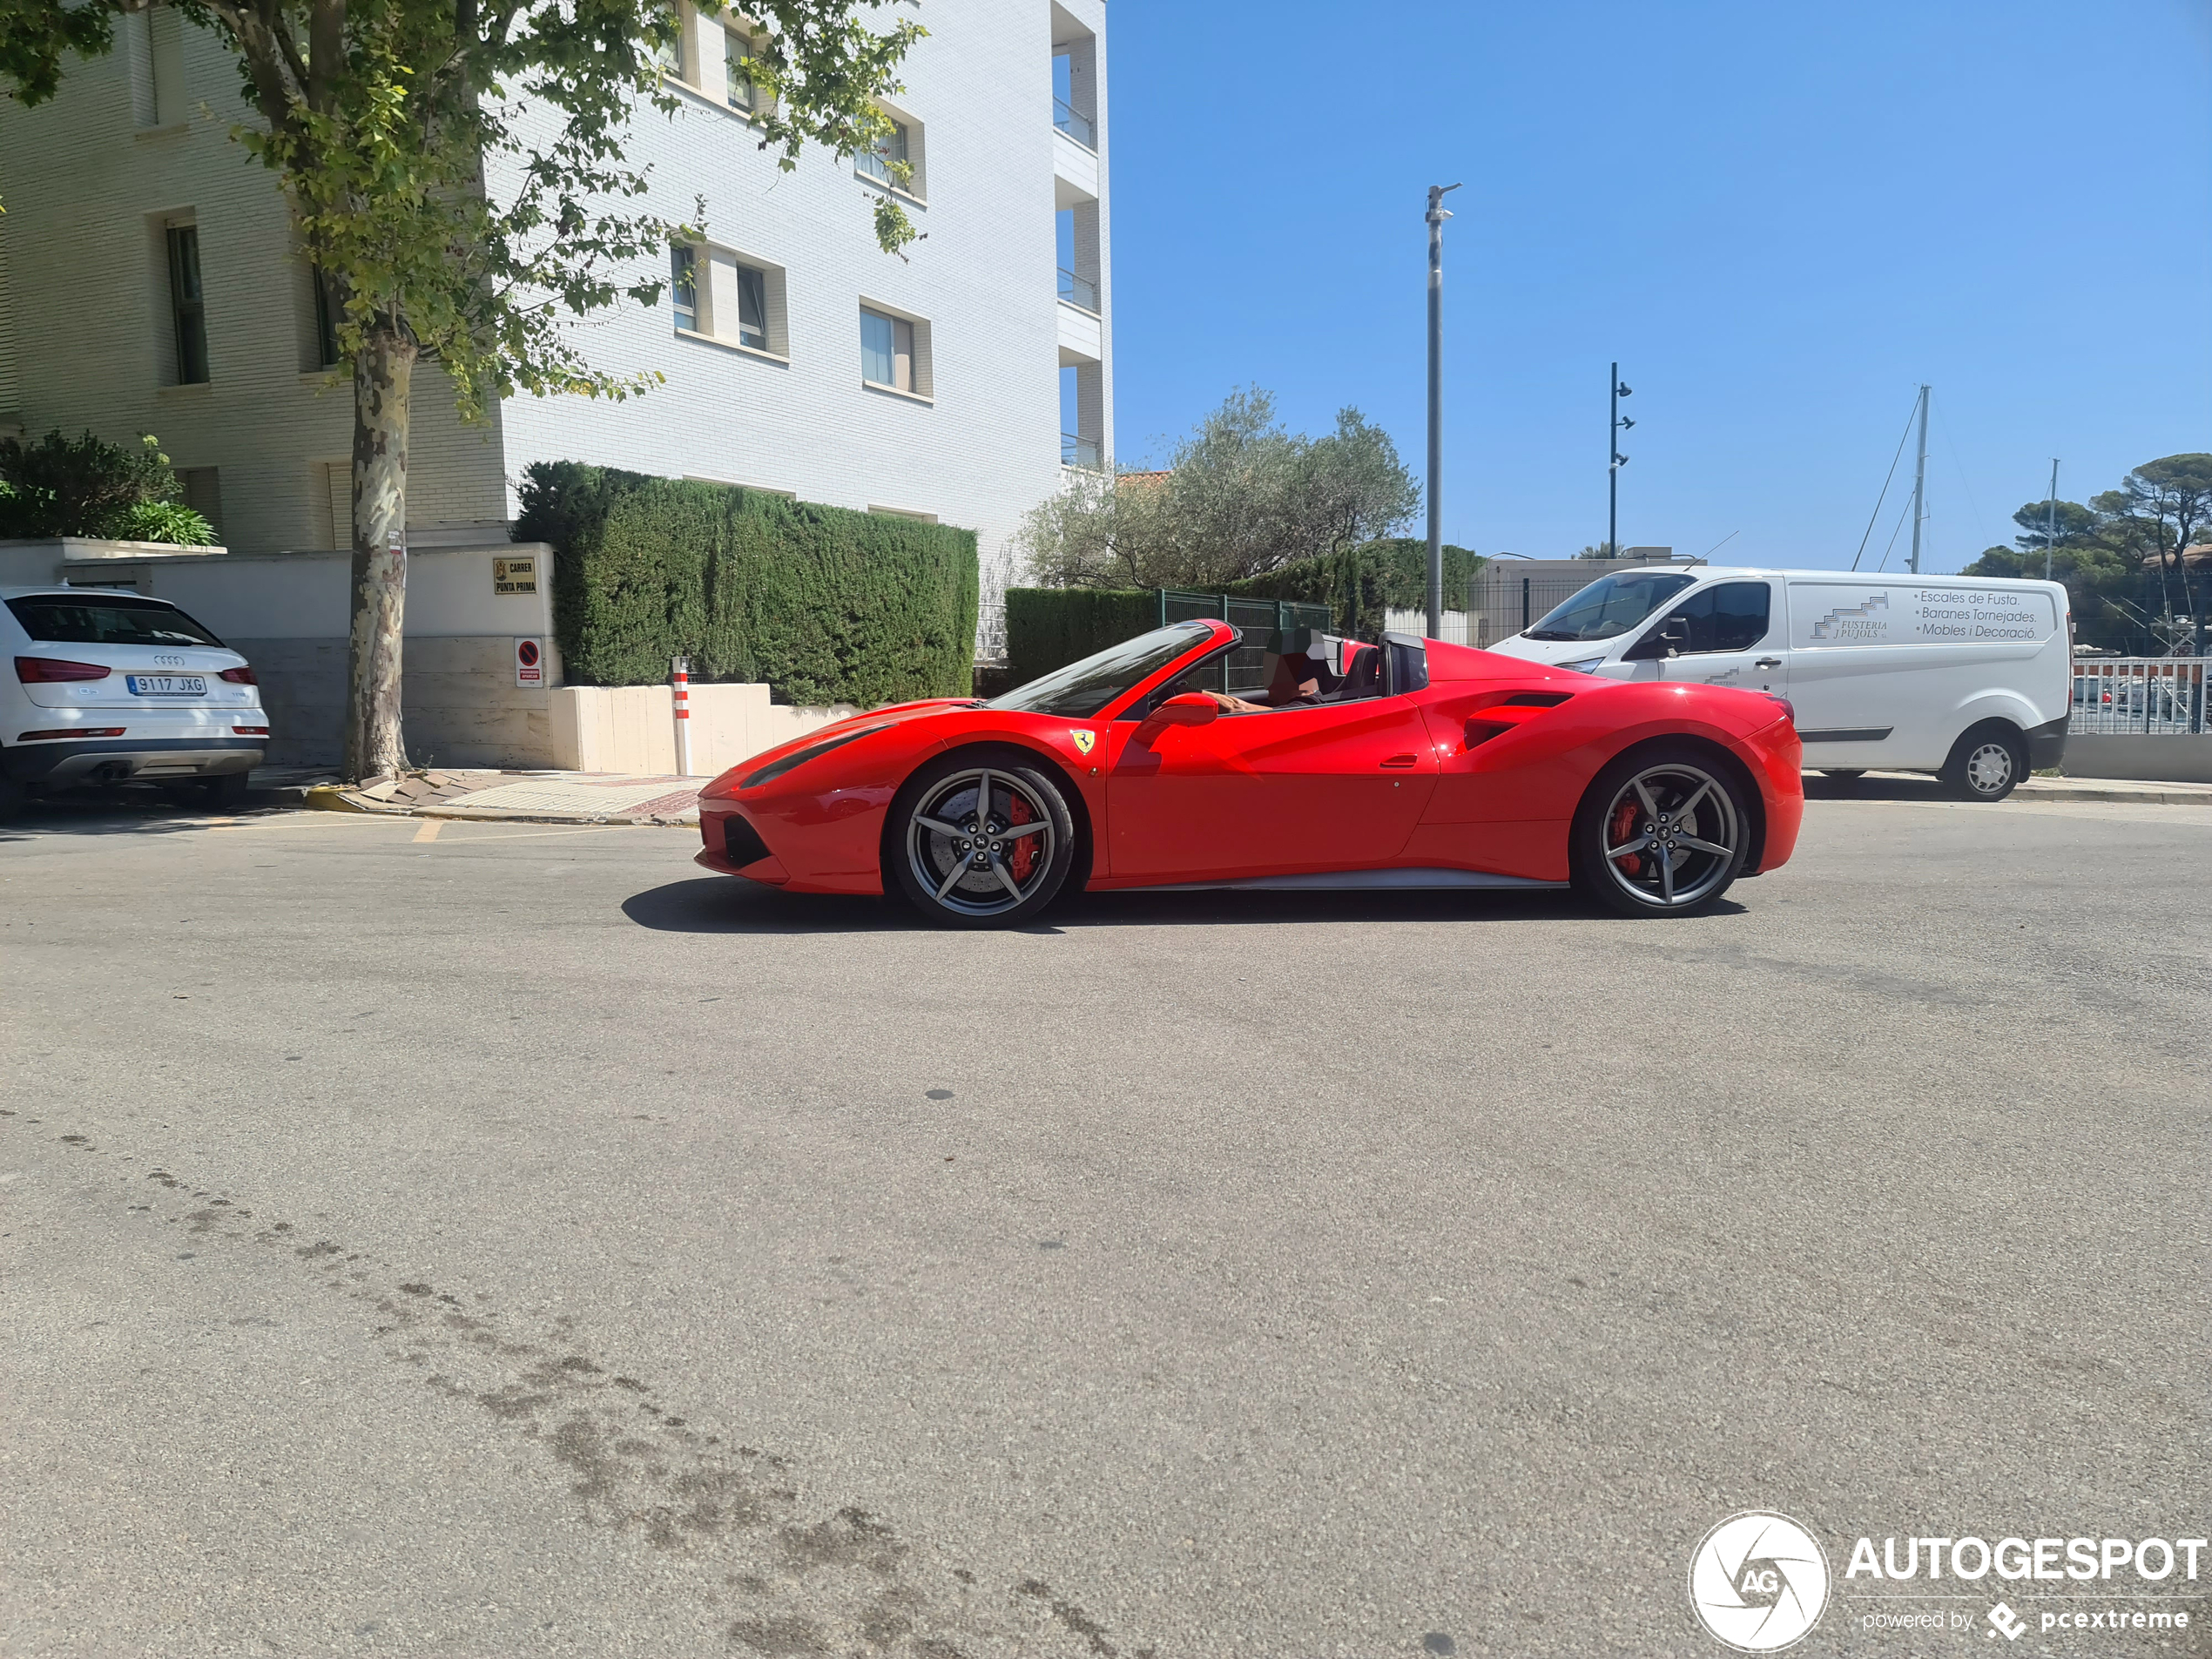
(455, 173)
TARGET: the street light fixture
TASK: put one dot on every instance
(1436, 216)
(1618, 424)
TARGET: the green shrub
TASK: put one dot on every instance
(824, 603)
(1048, 628)
(164, 521)
(80, 486)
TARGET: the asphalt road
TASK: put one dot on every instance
(515, 1240)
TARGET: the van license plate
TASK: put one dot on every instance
(167, 685)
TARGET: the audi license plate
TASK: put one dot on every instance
(167, 685)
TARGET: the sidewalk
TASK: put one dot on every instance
(525, 796)
(614, 798)
(1904, 785)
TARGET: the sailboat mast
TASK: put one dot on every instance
(1920, 482)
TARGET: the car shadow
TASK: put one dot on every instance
(121, 811)
(725, 905)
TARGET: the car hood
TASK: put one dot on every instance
(893, 714)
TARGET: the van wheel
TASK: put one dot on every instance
(1987, 762)
(11, 798)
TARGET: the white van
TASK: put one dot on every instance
(1970, 678)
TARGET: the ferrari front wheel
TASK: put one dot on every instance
(1662, 832)
(982, 840)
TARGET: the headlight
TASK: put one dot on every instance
(1587, 665)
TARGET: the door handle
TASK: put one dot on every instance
(1768, 662)
(1401, 761)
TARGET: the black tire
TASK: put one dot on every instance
(1636, 803)
(959, 876)
(12, 795)
(1987, 762)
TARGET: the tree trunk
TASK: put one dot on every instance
(383, 377)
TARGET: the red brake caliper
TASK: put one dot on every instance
(1623, 827)
(1022, 857)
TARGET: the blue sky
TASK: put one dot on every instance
(1779, 218)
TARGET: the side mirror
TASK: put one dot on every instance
(1190, 708)
(1670, 638)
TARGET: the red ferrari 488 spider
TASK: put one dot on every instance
(1407, 764)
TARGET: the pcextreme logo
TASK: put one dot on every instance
(1758, 1582)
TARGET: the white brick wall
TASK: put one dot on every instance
(86, 188)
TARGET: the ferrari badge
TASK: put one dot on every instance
(1083, 740)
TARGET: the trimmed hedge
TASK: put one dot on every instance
(1048, 628)
(824, 603)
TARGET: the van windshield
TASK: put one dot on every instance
(1610, 605)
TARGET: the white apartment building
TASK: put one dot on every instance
(150, 282)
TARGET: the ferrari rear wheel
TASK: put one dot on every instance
(984, 840)
(1662, 832)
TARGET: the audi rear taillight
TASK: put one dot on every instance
(45, 671)
(1788, 707)
(251, 731)
(242, 675)
(70, 732)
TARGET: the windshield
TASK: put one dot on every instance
(1082, 690)
(1611, 605)
(112, 619)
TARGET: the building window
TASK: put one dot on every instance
(326, 321)
(900, 149)
(683, 284)
(187, 307)
(753, 308)
(204, 494)
(736, 48)
(876, 163)
(894, 352)
(669, 53)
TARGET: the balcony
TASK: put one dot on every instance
(1080, 292)
(1076, 450)
(1074, 124)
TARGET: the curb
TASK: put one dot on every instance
(329, 797)
(2152, 797)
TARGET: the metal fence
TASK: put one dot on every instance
(2139, 695)
(1074, 123)
(1264, 621)
(1503, 601)
(1459, 625)
(1077, 450)
(1080, 292)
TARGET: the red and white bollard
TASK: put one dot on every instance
(680, 667)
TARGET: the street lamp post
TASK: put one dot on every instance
(1614, 427)
(1436, 218)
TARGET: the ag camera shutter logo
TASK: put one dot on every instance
(1758, 1582)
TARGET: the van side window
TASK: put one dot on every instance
(1731, 617)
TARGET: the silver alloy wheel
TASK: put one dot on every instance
(1989, 769)
(965, 839)
(1672, 835)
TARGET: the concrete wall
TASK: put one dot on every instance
(632, 728)
(2171, 760)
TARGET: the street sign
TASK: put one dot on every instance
(530, 662)
(514, 576)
